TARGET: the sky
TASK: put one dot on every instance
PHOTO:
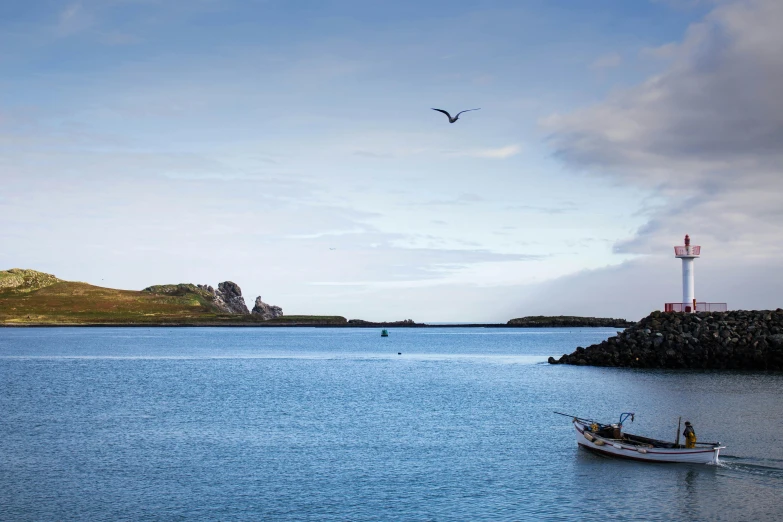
(290, 147)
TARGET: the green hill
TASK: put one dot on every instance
(28, 297)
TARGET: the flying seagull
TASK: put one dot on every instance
(455, 118)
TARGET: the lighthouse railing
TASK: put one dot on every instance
(700, 307)
(683, 250)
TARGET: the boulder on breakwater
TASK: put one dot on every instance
(736, 340)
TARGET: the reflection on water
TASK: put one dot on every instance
(333, 424)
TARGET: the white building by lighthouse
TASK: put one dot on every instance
(688, 253)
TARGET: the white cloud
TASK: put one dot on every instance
(505, 152)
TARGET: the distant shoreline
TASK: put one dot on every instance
(33, 299)
(284, 325)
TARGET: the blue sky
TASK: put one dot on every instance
(290, 147)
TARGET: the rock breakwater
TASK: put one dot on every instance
(740, 340)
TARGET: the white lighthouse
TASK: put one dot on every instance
(688, 253)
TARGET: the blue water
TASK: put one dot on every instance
(333, 424)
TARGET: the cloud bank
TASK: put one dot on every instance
(706, 137)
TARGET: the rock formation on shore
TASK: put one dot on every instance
(741, 340)
(557, 321)
(266, 311)
(23, 280)
(32, 298)
(228, 298)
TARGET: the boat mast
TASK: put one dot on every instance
(677, 443)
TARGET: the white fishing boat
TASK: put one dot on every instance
(610, 440)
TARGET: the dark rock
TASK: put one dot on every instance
(266, 311)
(228, 298)
(775, 340)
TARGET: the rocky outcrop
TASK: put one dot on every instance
(266, 311)
(182, 290)
(228, 298)
(206, 288)
(23, 280)
(569, 321)
(741, 340)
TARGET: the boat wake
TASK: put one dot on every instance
(770, 468)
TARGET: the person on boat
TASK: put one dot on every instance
(690, 435)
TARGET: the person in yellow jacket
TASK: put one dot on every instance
(690, 435)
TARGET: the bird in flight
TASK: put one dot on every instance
(455, 118)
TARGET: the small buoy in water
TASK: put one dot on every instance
(384, 333)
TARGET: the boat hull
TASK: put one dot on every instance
(619, 449)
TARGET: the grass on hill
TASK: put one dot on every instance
(28, 297)
(21, 280)
(80, 303)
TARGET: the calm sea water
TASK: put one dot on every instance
(333, 424)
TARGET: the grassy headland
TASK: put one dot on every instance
(29, 297)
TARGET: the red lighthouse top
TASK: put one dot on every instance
(687, 250)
